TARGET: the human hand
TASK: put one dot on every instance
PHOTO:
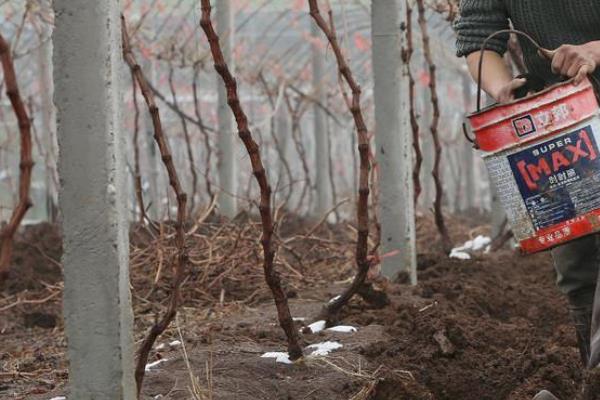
(574, 61)
(507, 92)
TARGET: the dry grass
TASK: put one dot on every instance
(197, 391)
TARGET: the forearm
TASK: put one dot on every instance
(495, 74)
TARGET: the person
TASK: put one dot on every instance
(571, 32)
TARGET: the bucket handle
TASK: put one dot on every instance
(484, 47)
(469, 139)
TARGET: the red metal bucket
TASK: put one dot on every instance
(542, 156)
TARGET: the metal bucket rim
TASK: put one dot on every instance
(583, 86)
(537, 139)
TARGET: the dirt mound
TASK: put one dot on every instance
(491, 328)
(36, 258)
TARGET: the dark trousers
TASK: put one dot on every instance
(576, 265)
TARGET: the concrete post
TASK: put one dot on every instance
(468, 154)
(427, 197)
(226, 141)
(97, 303)
(393, 139)
(452, 159)
(284, 133)
(450, 180)
(48, 127)
(154, 195)
(322, 183)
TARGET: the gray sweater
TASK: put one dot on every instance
(551, 22)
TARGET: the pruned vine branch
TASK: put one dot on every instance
(137, 175)
(439, 191)
(414, 123)
(25, 164)
(271, 276)
(186, 136)
(181, 258)
(362, 210)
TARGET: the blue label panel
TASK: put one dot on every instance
(559, 179)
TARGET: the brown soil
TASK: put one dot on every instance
(490, 328)
(36, 259)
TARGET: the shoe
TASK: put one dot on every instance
(582, 320)
(580, 308)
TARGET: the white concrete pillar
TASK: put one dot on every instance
(323, 186)
(97, 305)
(153, 197)
(393, 138)
(284, 133)
(468, 153)
(425, 113)
(227, 135)
(48, 127)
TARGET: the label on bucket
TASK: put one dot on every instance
(559, 178)
(551, 189)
